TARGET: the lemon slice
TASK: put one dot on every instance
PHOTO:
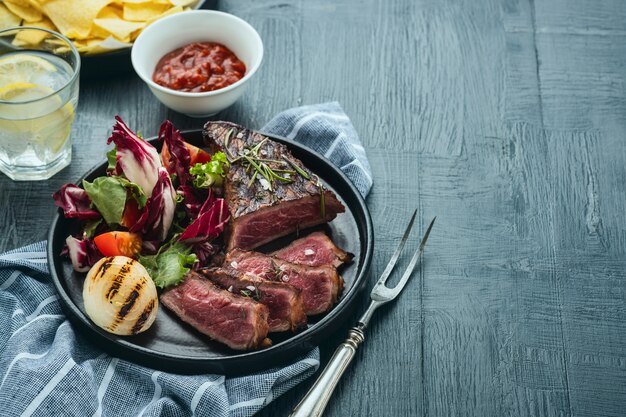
(50, 126)
(22, 91)
(23, 68)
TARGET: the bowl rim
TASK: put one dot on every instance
(155, 26)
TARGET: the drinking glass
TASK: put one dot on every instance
(39, 77)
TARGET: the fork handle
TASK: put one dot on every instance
(315, 401)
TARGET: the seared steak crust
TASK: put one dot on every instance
(260, 210)
(286, 310)
(320, 285)
(238, 322)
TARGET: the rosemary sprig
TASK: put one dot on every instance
(252, 179)
(227, 139)
(322, 200)
(256, 148)
(262, 168)
(276, 274)
(298, 169)
(274, 161)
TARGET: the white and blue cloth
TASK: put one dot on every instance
(47, 369)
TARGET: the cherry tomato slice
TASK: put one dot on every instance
(198, 156)
(119, 244)
(131, 213)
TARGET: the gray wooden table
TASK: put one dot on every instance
(507, 119)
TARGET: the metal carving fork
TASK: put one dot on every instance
(315, 401)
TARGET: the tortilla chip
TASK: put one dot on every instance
(74, 18)
(146, 1)
(120, 29)
(24, 10)
(7, 18)
(183, 3)
(98, 32)
(94, 26)
(141, 12)
(173, 10)
(35, 4)
(111, 12)
(98, 46)
(33, 37)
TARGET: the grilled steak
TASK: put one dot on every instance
(320, 285)
(314, 250)
(239, 322)
(286, 311)
(269, 192)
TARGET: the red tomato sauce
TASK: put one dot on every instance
(199, 67)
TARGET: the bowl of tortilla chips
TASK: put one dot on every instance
(102, 30)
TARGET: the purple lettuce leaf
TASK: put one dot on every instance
(210, 223)
(75, 203)
(204, 251)
(179, 158)
(136, 158)
(194, 199)
(83, 253)
(157, 216)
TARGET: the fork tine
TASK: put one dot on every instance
(396, 254)
(414, 260)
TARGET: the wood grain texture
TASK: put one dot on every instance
(506, 119)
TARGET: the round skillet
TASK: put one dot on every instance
(172, 345)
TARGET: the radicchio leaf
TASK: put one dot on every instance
(191, 203)
(209, 224)
(204, 251)
(136, 158)
(83, 253)
(75, 203)
(179, 158)
(157, 217)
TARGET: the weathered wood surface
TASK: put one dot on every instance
(507, 119)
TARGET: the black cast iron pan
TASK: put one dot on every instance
(172, 345)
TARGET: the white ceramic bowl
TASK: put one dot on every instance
(180, 29)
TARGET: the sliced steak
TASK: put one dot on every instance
(262, 210)
(320, 285)
(239, 322)
(283, 301)
(314, 250)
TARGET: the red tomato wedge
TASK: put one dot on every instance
(197, 155)
(119, 244)
(131, 213)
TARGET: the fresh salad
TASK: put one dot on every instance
(164, 210)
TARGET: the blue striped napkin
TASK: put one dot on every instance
(46, 369)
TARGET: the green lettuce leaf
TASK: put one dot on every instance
(109, 197)
(108, 194)
(112, 159)
(169, 267)
(135, 191)
(210, 173)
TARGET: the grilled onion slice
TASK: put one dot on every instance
(119, 296)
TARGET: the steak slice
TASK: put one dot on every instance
(239, 322)
(314, 250)
(284, 302)
(320, 285)
(262, 210)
